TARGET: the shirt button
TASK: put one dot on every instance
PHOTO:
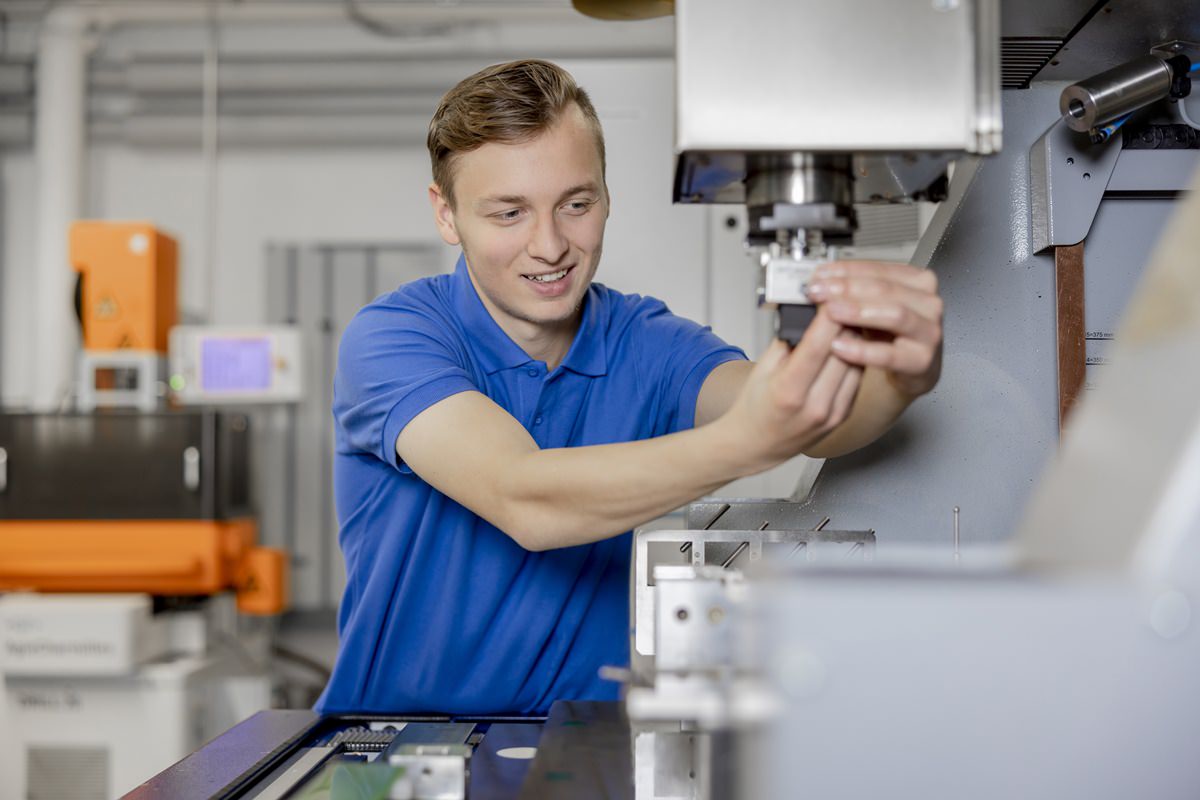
(533, 372)
(537, 420)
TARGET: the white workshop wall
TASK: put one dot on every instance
(374, 193)
(377, 194)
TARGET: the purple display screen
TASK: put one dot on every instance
(235, 365)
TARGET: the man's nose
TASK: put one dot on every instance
(547, 242)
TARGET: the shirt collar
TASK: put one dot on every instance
(498, 352)
(588, 353)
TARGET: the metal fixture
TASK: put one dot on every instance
(1102, 103)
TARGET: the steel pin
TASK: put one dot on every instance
(735, 554)
(956, 540)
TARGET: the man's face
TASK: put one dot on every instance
(530, 218)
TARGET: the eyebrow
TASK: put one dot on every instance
(518, 199)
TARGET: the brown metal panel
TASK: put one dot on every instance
(1072, 354)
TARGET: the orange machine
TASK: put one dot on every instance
(129, 272)
(130, 501)
(161, 557)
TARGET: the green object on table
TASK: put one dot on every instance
(352, 781)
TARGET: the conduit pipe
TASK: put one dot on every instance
(58, 148)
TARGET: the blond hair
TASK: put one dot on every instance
(506, 103)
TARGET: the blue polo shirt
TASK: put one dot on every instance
(443, 611)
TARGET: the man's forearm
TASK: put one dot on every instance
(569, 496)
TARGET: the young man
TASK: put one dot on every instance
(501, 429)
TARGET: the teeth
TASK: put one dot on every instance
(553, 276)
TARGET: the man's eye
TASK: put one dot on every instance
(510, 215)
(578, 206)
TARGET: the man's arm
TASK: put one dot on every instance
(899, 307)
(477, 454)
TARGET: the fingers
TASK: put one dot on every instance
(902, 356)
(897, 319)
(897, 301)
(775, 354)
(897, 298)
(807, 358)
(843, 401)
(832, 396)
(877, 295)
(818, 404)
(913, 277)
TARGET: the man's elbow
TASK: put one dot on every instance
(544, 523)
(535, 513)
(531, 535)
(526, 520)
(531, 506)
(533, 542)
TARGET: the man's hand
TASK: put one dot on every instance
(897, 307)
(793, 398)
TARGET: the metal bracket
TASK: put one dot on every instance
(1067, 179)
(699, 548)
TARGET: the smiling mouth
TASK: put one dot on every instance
(549, 277)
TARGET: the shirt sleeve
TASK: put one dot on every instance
(686, 353)
(393, 363)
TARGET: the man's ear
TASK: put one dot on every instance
(443, 216)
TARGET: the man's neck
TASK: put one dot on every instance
(548, 343)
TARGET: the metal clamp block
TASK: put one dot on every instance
(436, 771)
(785, 279)
(696, 627)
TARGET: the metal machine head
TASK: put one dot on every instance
(779, 118)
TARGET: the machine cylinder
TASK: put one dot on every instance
(799, 178)
(1115, 93)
